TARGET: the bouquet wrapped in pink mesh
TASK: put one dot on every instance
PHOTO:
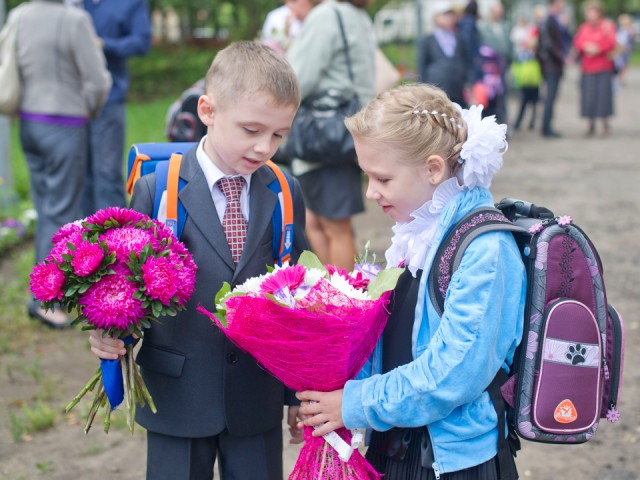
(312, 327)
(119, 270)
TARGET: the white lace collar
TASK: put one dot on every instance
(412, 240)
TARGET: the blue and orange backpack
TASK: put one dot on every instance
(165, 159)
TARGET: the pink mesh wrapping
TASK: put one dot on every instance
(318, 460)
(319, 345)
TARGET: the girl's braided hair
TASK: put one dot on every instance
(419, 119)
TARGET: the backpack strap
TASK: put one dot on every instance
(168, 178)
(136, 171)
(507, 446)
(449, 254)
(282, 219)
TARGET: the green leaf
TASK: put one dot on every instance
(226, 288)
(310, 260)
(71, 290)
(386, 280)
(222, 319)
(83, 288)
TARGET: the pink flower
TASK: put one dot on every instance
(123, 216)
(66, 231)
(340, 271)
(109, 302)
(162, 231)
(359, 281)
(536, 228)
(185, 272)
(159, 277)
(87, 258)
(290, 277)
(47, 281)
(565, 220)
(61, 247)
(613, 415)
(122, 241)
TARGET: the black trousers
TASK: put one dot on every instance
(552, 83)
(239, 458)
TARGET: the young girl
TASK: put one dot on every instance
(423, 393)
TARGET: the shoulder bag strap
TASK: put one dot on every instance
(346, 46)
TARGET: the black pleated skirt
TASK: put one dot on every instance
(411, 466)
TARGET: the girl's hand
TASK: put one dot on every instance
(107, 348)
(321, 408)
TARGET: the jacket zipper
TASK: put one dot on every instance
(434, 465)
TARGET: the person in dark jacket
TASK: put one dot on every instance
(124, 29)
(467, 27)
(443, 59)
(551, 53)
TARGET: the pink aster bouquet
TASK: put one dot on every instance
(118, 270)
(312, 327)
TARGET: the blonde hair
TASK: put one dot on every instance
(595, 5)
(248, 67)
(418, 119)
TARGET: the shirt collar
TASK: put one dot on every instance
(211, 171)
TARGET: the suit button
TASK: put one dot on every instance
(232, 358)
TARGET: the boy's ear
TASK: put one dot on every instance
(206, 110)
(437, 169)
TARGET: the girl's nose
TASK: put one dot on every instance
(372, 194)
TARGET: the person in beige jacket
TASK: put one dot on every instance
(64, 84)
(333, 193)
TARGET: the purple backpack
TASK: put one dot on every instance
(567, 370)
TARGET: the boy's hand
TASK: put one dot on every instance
(323, 409)
(107, 348)
(294, 429)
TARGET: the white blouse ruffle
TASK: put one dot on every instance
(412, 240)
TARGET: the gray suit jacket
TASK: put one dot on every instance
(201, 382)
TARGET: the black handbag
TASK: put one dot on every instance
(318, 133)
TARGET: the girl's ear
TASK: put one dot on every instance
(437, 169)
(206, 110)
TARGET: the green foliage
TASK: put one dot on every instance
(17, 427)
(36, 419)
(44, 467)
(40, 417)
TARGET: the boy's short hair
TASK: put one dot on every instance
(247, 67)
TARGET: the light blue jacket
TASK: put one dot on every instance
(456, 356)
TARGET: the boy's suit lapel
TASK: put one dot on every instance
(196, 198)
(261, 205)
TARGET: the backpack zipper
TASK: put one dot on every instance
(614, 385)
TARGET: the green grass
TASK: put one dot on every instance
(167, 71)
(403, 56)
(145, 123)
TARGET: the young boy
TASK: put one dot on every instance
(214, 400)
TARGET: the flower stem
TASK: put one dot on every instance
(94, 408)
(107, 418)
(143, 389)
(124, 364)
(90, 385)
(132, 387)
